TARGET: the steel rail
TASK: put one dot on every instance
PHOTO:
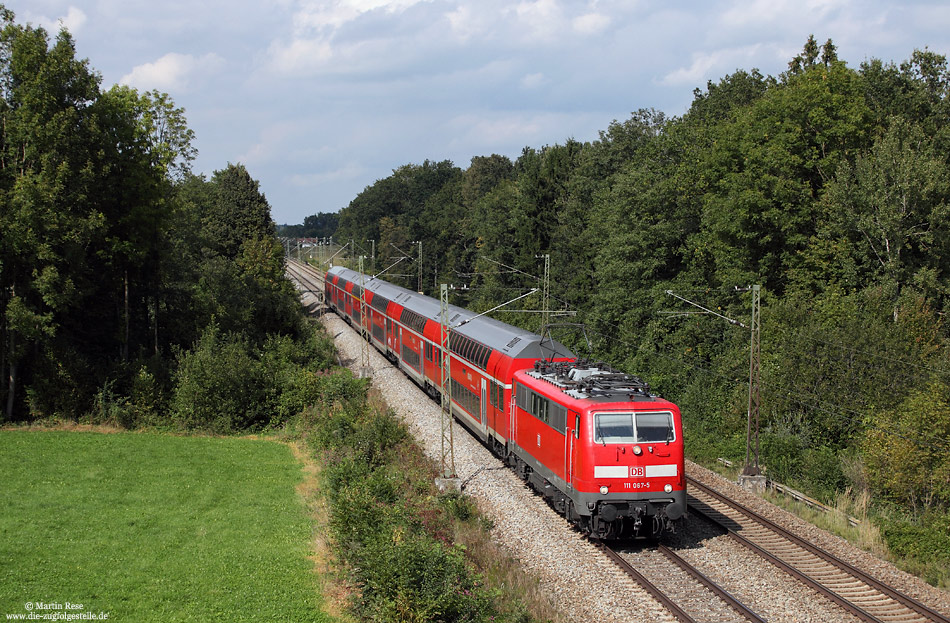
(724, 595)
(789, 569)
(650, 587)
(908, 602)
(306, 276)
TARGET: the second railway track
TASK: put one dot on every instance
(863, 596)
(308, 280)
(682, 588)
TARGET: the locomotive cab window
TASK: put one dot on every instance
(614, 428)
(655, 427)
(633, 428)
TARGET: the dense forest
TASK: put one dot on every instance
(322, 225)
(131, 290)
(828, 186)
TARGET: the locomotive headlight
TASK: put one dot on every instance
(603, 490)
(668, 488)
(637, 450)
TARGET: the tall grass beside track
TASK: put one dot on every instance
(151, 527)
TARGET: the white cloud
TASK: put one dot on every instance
(300, 56)
(314, 45)
(591, 23)
(278, 141)
(374, 36)
(533, 81)
(708, 65)
(759, 12)
(540, 19)
(320, 15)
(499, 131)
(466, 23)
(73, 21)
(172, 72)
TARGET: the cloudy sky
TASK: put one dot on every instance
(320, 98)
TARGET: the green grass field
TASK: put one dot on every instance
(151, 527)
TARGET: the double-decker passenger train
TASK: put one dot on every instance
(602, 449)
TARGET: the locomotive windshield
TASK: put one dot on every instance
(654, 427)
(633, 427)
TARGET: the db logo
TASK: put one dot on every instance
(637, 472)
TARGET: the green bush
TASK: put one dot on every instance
(414, 578)
(219, 385)
(111, 409)
(225, 384)
(294, 371)
(782, 454)
(60, 384)
(822, 474)
(705, 443)
(377, 436)
(923, 546)
(331, 420)
(148, 394)
(459, 506)
(362, 503)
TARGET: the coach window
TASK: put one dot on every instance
(482, 356)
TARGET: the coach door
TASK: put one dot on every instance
(570, 453)
(512, 419)
(483, 419)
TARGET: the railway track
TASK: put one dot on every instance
(683, 589)
(855, 591)
(309, 280)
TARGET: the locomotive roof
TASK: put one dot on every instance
(592, 380)
(512, 341)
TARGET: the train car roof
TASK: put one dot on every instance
(512, 341)
(589, 381)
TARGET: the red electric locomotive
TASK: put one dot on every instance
(605, 452)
